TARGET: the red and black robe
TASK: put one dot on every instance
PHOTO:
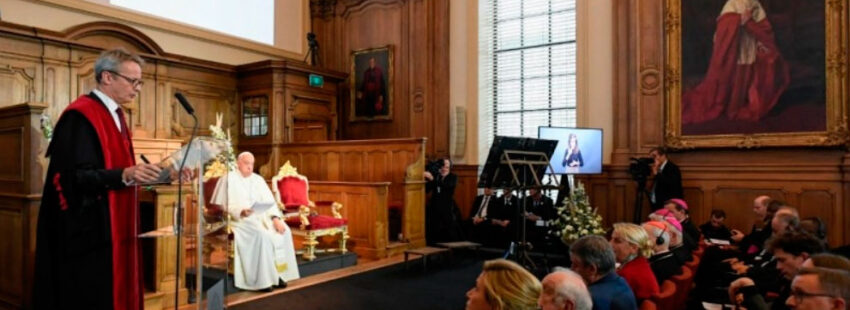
(87, 252)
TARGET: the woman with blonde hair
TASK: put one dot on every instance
(632, 248)
(503, 285)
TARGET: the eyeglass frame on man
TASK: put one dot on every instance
(799, 295)
(134, 82)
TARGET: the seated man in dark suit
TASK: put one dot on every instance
(482, 218)
(538, 209)
(592, 257)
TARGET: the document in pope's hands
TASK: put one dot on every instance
(261, 207)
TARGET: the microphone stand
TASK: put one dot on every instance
(178, 218)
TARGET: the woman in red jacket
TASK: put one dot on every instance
(632, 247)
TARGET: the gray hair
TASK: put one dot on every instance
(110, 61)
(574, 290)
(594, 250)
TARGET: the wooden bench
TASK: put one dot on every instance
(460, 245)
(424, 253)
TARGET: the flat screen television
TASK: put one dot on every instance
(582, 157)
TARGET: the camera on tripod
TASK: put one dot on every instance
(434, 166)
(641, 168)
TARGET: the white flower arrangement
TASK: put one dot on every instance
(576, 218)
(226, 160)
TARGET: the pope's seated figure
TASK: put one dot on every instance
(264, 255)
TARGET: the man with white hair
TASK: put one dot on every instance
(564, 289)
(264, 254)
(664, 263)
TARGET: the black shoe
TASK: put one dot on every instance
(280, 284)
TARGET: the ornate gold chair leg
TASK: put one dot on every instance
(310, 246)
(342, 239)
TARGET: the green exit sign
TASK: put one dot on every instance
(316, 80)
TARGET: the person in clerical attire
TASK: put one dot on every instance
(264, 253)
(746, 74)
(372, 93)
(87, 252)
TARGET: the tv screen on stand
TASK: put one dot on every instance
(579, 150)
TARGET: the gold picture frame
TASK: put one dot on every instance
(372, 100)
(834, 131)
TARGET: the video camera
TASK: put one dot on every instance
(641, 168)
(434, 166)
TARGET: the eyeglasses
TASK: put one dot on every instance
(134, 82)
(799, 295)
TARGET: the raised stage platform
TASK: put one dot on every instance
(323, 263)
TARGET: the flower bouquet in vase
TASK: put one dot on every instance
(576, 218)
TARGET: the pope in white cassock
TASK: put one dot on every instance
(264, 252)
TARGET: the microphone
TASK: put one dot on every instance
(185, 103)
(178, 212)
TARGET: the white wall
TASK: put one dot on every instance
(58, 15)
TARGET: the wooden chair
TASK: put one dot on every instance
(291, 192)
(666, 298)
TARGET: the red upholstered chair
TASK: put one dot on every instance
(684, 283)
(218, 233)
(291, 191)
(666, 299)
(648, 305)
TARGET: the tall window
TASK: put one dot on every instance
(527, 68)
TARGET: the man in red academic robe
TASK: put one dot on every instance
(87, 252)
(746, 74)
(371, 93)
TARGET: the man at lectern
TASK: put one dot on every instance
(87, 250)
(264, 253)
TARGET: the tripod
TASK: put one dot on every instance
(639, 194)
(527, 162)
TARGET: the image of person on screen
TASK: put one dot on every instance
(572, 157)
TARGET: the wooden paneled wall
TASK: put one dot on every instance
(467, 187)
(418, 33)
(365, 207)
(400, 162)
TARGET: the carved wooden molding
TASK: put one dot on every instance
(650, 80)
(129, 34)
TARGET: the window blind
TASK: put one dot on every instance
(527, 68)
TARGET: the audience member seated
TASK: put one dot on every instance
(682, 253)
(664, 263)
(714, 228)
(690, 234)
(827, 260)
(789, 250)
(503, 285)
(510, 213)
(820, 289)
(482, 217)
(592, 257)
(753, 242)
(564, 290)
(538, 209)
(264, 254)
(632, 247)
(815, 226)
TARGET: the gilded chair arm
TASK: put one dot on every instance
(304, 213)
(335, 207)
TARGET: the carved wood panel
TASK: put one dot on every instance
(418, 33)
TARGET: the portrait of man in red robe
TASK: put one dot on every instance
(371, 94)
(752, 66)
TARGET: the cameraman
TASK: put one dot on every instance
(668, 179)
(442, 217)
